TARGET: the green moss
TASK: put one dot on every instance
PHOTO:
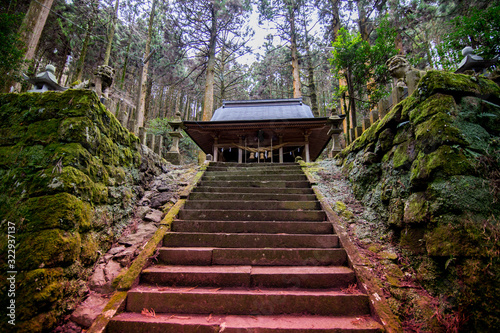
(403, 133)
(445, 160)
(392, 119)
(385, 141)
(37, 291)
(409, 104)
(434, 104)
(48, 248)
(459, 85)
(438, 130)
(368, 136)
(90, 248)
(59, 152)
(448, 240)
(396, 211)
(75, 155)
(9, 156)
(404, 154)
(62, 211)
(459, 194)
(71, 180)
(118, 175)
(108, 152)
(476, 136)
(42, 132)
(416, 208)
(80, 130)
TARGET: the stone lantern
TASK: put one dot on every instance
(45, 81)
(473, 63)
(173, 155)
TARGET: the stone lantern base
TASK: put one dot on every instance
(173, 157)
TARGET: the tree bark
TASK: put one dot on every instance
(310, 75)
(111, 34)
(363, 22)
(32, 26)
(141, 95)
(208, 104)
(335, 26)
(295, 58)
(83, 52)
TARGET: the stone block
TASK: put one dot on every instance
(366, 123)
(359, 131)
(158, 145)
(374, 116)
(412, 79)
(150, 142)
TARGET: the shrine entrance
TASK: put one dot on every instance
(264, 131)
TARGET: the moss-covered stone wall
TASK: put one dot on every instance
(431, 169)
(69, 177)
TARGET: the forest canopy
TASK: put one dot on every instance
(191, 55)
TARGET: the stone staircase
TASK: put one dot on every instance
(251, 251)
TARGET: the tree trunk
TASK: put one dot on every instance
(111, 34)
(352, 105)
(208, 104)
(148, 111)
(335, 25)
(141, 95)
(33, 24)
(363, 22)
(310, 75)
(295, 58)
(83, 52)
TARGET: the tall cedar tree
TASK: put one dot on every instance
(284, 13)
(203, 23)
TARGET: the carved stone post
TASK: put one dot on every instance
(173, 155)
(306, 139)
(216, 149)
(240, 151)
(158, 144)
(281, 148)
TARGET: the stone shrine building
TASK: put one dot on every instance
(264, 131)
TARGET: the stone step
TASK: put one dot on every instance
(252, 205)
(253, 166)
(267, 227)
(253, 178)
(235, 240)
(130, 322)
(252, 256)
(252, 215)
(258, 184)
(251, 196)
(251, 190)
(254, 172)
(248, 276)
(245, 301)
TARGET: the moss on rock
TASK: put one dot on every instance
(438, 130)
(443, 161)
(430, 170)
(416, 208)
(404, 154)
(458, 85)
(59, 211)
(438, 103)
(48, 248)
